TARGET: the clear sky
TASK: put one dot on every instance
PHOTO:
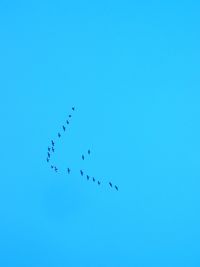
(131, 69)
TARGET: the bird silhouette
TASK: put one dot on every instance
(110, 184)
(73, 108)
(55, 169)
(52, 142)
(81, 172)
(89, 151)
(116, 187)
(49, 149)
(64, 128)
(48, 155)
(68, 170)
(59, 135)
(70, 116)
(93, 179)
(83, 157)
(88, 177)
(53, 149)
(47, 159)
(67, 122)
(52, 166)
(99, 183)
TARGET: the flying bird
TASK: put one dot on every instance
(48, 155)
(64, 128)
(73, 108)
(68, 170)
(55, 169)
(52, 142)
(67, 122)
(93, 179)
(83, 157)
(110, 184)
(52, 166)
(70, 116)
(99, 183)
(53, 149)
(88, 177)
(81, 172)
(89, 151)
(59, 135)
(116, 187)
(49, 149)
(47, 159)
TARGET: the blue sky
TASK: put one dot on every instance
(131, 69)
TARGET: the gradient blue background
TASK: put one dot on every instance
(131, 68)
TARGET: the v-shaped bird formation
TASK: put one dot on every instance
(51, 149)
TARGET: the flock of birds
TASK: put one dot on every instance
(51, 150)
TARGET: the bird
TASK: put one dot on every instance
(68, 170)
(81, 172)
(52, 142)
(73, 108)
(67, 122)
(64, 128)
(48, 155)
(59, 135)
(49, 149)
(89, 151)
(47, 159)
(53, 149)
(55, 169)
(116, 187)
(52, 166)
(110, 184)
(83, 157)
(70, 115)
(99, 183)
(88, 177)
(93, 179)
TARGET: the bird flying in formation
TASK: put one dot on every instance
(68, 170)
